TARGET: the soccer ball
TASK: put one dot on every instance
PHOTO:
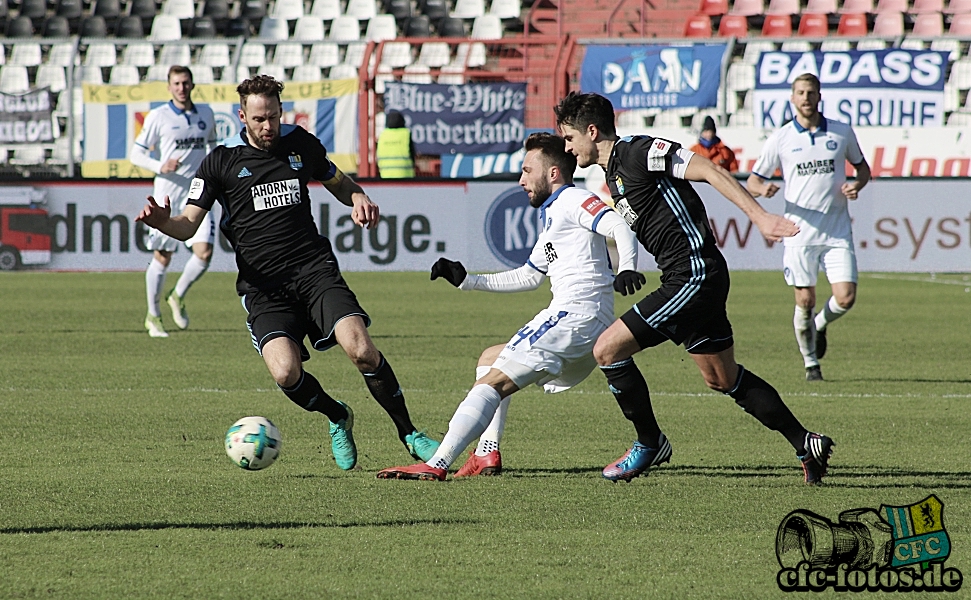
(253, 443)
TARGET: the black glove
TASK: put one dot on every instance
(452, 271)
(628, 282)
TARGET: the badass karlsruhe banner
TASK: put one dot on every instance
(879, 88)
(474, 118)
(654, 76)
(26, 118)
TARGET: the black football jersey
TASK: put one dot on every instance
(665, 212)
(267, 215)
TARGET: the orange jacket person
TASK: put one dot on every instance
(711, 147)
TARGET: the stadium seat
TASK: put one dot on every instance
(35, 10)
(203, 27)
(56, 27)
(396, 54)
(796, 46)
(383, 76)
(958, 119)
(28, 155)
(820, 7)
(912, 43)
(165, 28)
(960, 76)
(217, 10)
(417, 74)
(215, 54)
(434, 9)
(362, 10)
(144, 9)
(138, 54)
(90, 74)
(872, 43)
(951, 45)
(713, 8)
(274, 29)
(343, 71)
(253, 54)
(61, 55)
(354, 54)
(434, 54)
(326, 10)
(69, 9)
(777, 26)
(399, 9)
(202, 74)
(254, 10)
(888, 24)
(20, 27)
(486, 27)
(380, 28)
(854, 7)
(506, 9)
(754, 49)
(892, 6)
(418, 26)
(157, 72)
(344, 28)
(100, 54)
(309, 29)
(783, 7)
(927, 6)
(51, 76)
(733, 26)
(124, 75)
(129, 27)
(307, 73)
(471, 55)
(288, 55)
(740, 77)
(698, 26)
(180, 9)
(242, 72)
(813, 25)
(239, 27)
(952, 98)
(288, 10)
(451, 27)
(324, 55)
(451, 75)
(14, 79)
(25, 54)
(174, 54)
(747, 8)
(960, 25)
(468, 9)
(958, 7)
(852, 25)
(275, 71)
(928, 25)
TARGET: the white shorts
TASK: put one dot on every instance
(802, 263)
(553, 350)
(205, 234)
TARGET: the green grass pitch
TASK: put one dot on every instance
(114, 482)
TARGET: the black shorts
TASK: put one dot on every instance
(308, 305)
(688, 310)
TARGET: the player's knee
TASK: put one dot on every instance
(284, 375)
(846, 301)
(203, 254)
(365, 357)
(603, 354)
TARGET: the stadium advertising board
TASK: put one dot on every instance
(471, 118)
(490, 227)
(876, 88)
(113, 117)
(26, 118)
(654, 76)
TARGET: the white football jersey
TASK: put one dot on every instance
(574, 255)
(814, 168)
(186, 135)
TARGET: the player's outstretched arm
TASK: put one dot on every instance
(772, 227)
(523, 279)
(160, 217)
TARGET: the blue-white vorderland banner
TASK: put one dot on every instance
(474, 118)
(879, 88)
(654, 76)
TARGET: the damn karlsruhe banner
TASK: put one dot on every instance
(114, 115)
(878, 88)
(636, 77)
(474, 118)
(26, 118)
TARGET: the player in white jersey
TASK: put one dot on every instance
(183, 133)
(555, 349)
(812, 152)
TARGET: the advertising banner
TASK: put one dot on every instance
(474, 118)
(654, 76)
(113, 117)
(26, 118)
(489, 226)
(876, 88)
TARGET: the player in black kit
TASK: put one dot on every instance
(291, 285)
(649, 180)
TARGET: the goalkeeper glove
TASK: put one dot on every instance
(452, 271)
(628, 282)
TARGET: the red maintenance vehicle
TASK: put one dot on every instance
(25, 230)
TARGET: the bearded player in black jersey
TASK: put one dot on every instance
(288, 278)
(649, 180)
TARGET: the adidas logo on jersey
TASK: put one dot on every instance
(244, 173)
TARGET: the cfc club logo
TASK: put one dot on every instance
(895, 548)
(511, 227)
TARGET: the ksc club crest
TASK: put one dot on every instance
(511, 227)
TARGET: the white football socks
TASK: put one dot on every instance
(830, 313)
(805, 327)
(194, 269)
(154, 280)
(489, 441)
(469, 421)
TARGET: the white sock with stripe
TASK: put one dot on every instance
(194, 269)
(154, 280)
(469, 421)
(802, 322)
(830, 313)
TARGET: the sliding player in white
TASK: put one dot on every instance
(555, 349)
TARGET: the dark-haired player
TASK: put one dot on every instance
(649, 179)
(288, 278)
